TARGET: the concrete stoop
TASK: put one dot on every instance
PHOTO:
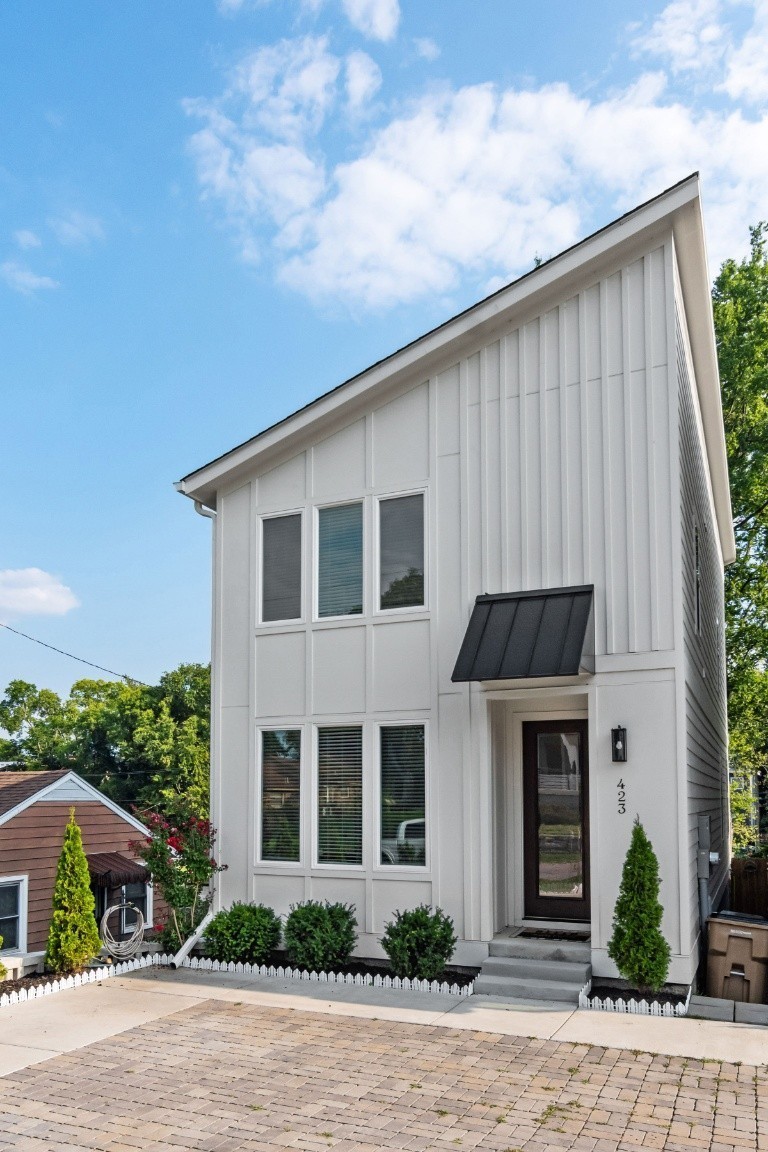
(523, 968)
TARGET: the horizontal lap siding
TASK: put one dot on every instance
(705, 696)
(30, 844)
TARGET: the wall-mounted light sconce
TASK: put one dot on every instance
(618, 745)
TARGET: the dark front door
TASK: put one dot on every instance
(556, 819)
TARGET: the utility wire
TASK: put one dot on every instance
(119, 675)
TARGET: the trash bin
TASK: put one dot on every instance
(737, 958)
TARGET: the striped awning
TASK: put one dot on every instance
(112, 870)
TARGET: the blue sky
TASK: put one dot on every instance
(212, 212)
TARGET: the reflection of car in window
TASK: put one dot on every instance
(408, 846)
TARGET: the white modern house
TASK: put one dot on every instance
(468, 611)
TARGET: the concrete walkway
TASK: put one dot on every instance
(200, 1062)
(69, 1020)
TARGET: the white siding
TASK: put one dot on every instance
(705, 690)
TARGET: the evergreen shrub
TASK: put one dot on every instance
(320, 936)
(419, 942)
(637, 946)
(243, 934)
(3, 969)
(73, 938)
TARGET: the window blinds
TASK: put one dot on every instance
(340, 796)
(281, 568)
(9, 915)
(403, 825)
(280, 795)
(340, 561)
(401, 552)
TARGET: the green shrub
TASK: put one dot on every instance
(637, 946)
(73, 938)
(419, 942)
(319, 936)
(244, 934)
(3, 969)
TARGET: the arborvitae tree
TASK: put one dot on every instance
(73, 938)
(637, 946)
(3, 969)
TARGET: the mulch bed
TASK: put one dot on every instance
(37, 979)
(625, 992)
(360, 967)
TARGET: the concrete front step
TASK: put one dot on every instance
(526, 948)
(519, 988)
(531, 968)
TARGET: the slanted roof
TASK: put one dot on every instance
(515, 635)
(16, 787)
(676, 210)
(112, 869)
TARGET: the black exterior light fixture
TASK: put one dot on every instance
(619, 745)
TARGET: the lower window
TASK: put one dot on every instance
(403, 822)
(281, 795)
(10, 915)
(135, 894)
(340, 795)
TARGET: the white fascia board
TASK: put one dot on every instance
(49, 793)
(557, 275)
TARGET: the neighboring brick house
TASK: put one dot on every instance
(34, 810)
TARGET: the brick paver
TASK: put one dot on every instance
(222, 1077)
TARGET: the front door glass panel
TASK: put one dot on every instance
(558, 765)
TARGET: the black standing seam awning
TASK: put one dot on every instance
(514, 635)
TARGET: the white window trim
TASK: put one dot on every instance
(23, 882)
(292, 726)
(396, 869)
(318, 508)
(411, 608)
(293, 620)
(329, 866)
(148, 919)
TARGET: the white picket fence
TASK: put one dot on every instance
(95, 975)
(631, 1006)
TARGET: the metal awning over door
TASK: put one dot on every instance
(519, 635)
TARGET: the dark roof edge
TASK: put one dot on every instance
(494, 597)
(432, 331)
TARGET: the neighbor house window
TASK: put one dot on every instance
(280, 795)
(340, 795)
(281, 568)
(135, 894)
(340, 560)
(403, 823)
(12, 915)
(401, 552)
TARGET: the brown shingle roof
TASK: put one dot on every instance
(112, 869)
(18, 786)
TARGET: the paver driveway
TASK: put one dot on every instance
(224, 1076)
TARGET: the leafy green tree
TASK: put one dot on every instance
(144, 746)
(740, 305)
(637, 946)
(73, 938)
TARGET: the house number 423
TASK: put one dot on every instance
(622, 797)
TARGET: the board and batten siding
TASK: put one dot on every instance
(706, 719)
(30, 845)
(544, 455)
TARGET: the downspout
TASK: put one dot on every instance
(203, 511)
(189, 943)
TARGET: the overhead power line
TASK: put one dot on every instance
(80, 660)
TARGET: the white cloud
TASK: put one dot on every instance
(32, 592)
(688, 33)
(426, 48)
(23, 279)
(76, 228)
(363, 77)
(287, 88)
(746, 75)
(27, 239)
(377, 19)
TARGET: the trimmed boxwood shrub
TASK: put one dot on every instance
(244, 934)
(419, 942)
(319, 936)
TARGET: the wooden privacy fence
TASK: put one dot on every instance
(749, 886)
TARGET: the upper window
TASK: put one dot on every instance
(403, 823)
(340, 560)
(10, 915)
(280, 794)
(340, 795)
(281, 568)
(401, 552)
